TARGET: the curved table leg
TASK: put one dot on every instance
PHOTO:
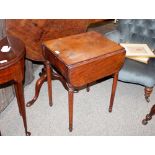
(149, 116)
(20, 98)
(38, 85)
(41, 80)
(56, 76)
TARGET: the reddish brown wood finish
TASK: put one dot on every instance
(114, 85)
(33, 31)
(70, 107)
(149, 116)
(49, 82)
(13, 70)
(83, 59)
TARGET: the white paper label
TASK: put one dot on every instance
(3, 61)
(5, 49)
(57, 52)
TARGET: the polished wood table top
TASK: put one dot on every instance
(84, 54)
(34, 31)
(82, 47)
(15, 53)
(80, 60)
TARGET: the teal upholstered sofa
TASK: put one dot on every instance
(136, 31)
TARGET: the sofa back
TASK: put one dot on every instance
(138, 31)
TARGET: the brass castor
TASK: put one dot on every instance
(110, 109)
(70, 129)
(29, 104)
(28, 133)
(144, 121)
(147, 118)
(147, 99)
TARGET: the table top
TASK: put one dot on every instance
(16, 51)
(34, 31)
(77, 48)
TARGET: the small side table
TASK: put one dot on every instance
(12, 70)
(80, 60)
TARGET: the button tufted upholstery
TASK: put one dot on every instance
(136, 31)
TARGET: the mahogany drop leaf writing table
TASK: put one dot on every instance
(80, 60)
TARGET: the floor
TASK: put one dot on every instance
(91, 116)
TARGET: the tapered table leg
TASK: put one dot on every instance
(20, 98)
(114, 85)
(49, 81)
(70, 106)
(18, 101)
